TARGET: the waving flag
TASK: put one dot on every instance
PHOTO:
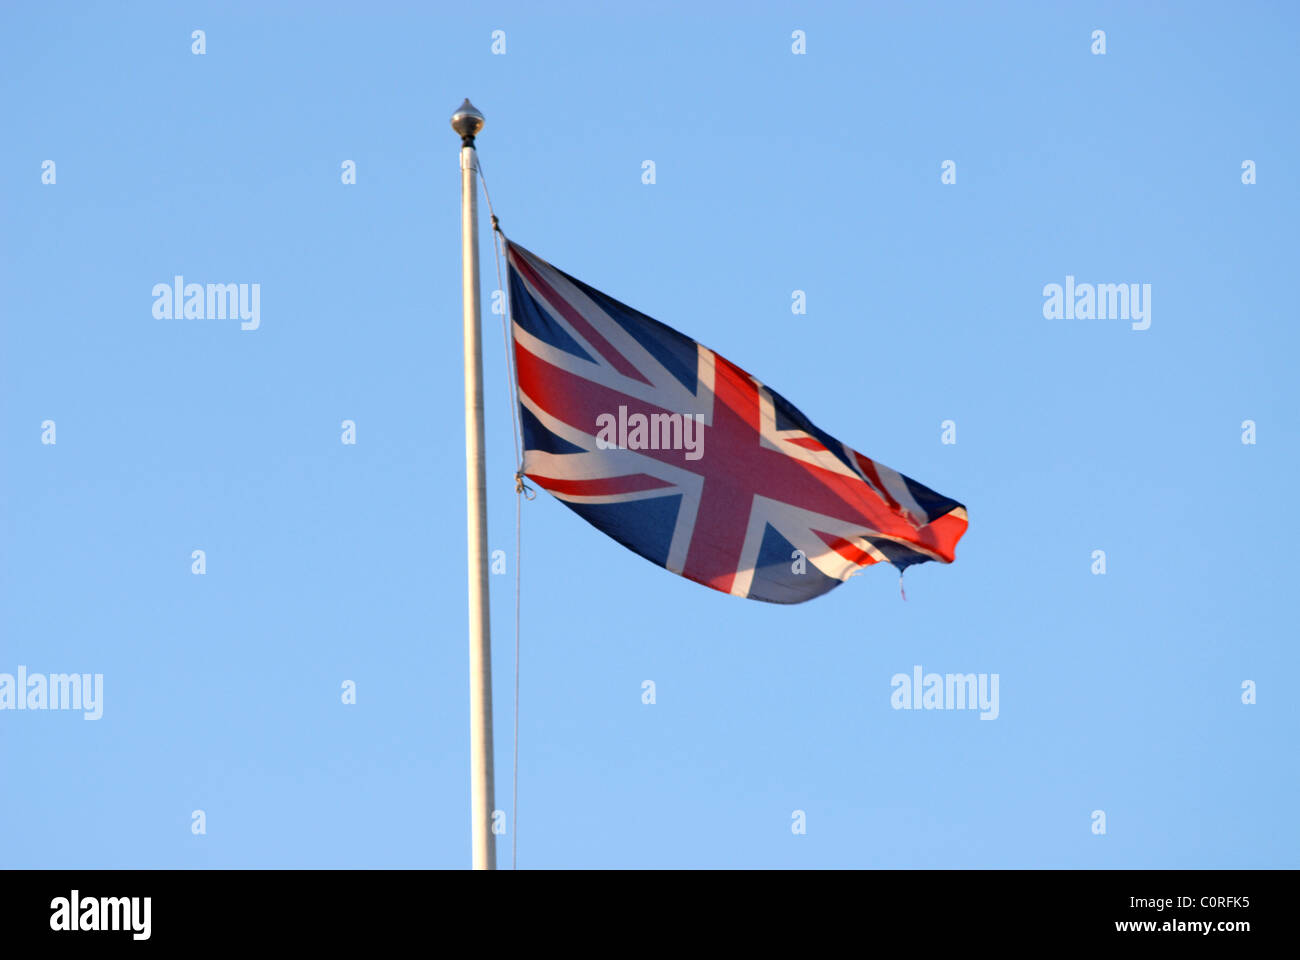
(684, 458)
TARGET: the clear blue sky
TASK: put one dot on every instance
(775, 172)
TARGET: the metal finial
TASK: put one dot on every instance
(467, 121)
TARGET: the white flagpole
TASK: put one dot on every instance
(467, 122)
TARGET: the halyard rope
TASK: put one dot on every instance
(522, 492)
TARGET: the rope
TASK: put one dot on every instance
(498, 240)
(522, 492)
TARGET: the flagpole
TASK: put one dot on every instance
(467, 122)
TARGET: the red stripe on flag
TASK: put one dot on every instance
(566, 310)
(602, 486)
(808, 443)
(869, 469)
(941, 535)
(847, 550)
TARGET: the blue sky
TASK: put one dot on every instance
(775, 172)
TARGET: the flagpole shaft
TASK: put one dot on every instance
(480, 642)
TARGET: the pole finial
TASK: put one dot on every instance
(467, 121)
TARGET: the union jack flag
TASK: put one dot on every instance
(765, 505)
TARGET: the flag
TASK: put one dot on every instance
(686, 459)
